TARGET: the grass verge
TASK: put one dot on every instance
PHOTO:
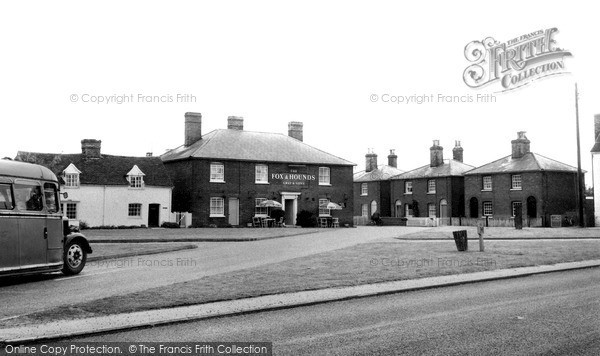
(356, 265)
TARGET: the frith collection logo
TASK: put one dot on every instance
(516, 62)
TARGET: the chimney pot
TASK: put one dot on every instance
(90, 148)
(296, 130)
(520, 146)
(436, 154)
(457, 152)
(193, 128)
(393, 159)
(235, 123)
(371, 161)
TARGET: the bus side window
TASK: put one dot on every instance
(6, 200)
(28, 197)
(51, 197)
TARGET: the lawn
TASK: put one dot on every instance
(360, 264)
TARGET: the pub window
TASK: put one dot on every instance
(364, 189)
(260, 210)
(431, 186)
(323, 211)
(408, 187)
(487, 182)
(135, 210)
(487, 208)
(217, 172)
(6, 199)
(365, 210)
(217, 207)
(516, 182)
(261, 173)
(324, 177)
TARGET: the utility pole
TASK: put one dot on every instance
(580, 182)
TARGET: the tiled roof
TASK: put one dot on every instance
(107, 170)
(383, 172)
(529, 162)
(253, 146)
(450, 168)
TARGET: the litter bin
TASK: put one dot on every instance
(460, 238)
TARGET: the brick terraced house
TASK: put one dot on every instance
(222, 177)
(434, 191)
(539, 185)
(372, 188)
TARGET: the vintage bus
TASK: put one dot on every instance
(34, 235)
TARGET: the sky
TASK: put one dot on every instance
(335, 66)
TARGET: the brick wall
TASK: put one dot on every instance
(447, 188)
(193, 189)
(554, 193)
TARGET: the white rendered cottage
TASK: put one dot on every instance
(105, 190)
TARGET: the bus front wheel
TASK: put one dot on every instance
(74, 258)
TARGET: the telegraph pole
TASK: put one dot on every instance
(580, 182)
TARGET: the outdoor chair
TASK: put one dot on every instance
(256, 222)
(322, 222)
(335, 222)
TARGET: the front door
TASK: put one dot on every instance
(290, 218)
(234, 211)
(153, 215)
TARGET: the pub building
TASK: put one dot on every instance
(222, 177)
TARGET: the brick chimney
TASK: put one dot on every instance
(295, 130)
(393, 159)
(520, 146)
(193, 128)
(457, 152)
(90, 148)
(436, 154)
(235, 123)
(597, 127)
(371, 161)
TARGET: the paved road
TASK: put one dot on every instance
(557, 313)
(113, 277)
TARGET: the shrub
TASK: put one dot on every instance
(83, 225)
(170, 225)
(306, 219)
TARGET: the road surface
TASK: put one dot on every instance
(99, 279)
(556, 313)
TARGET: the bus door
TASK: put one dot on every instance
(54, 226)
(9, 228)
(33, 242)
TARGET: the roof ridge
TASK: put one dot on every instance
(486, 164)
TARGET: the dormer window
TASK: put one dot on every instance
(135, 177)
(71, 176)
